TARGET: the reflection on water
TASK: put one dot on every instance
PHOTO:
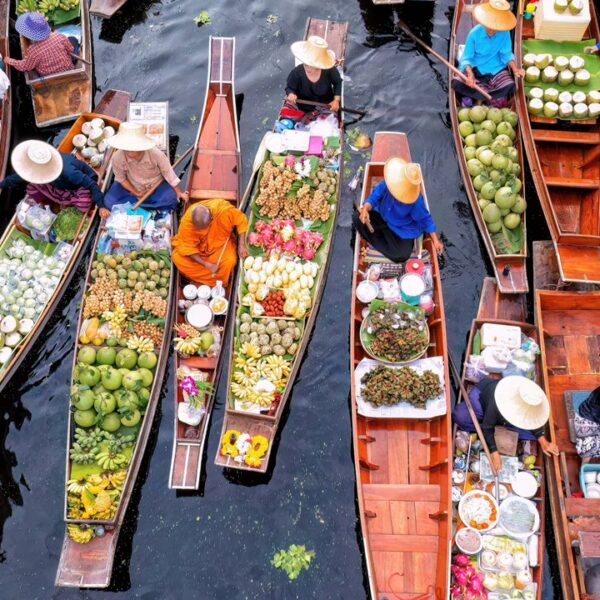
(219, 541)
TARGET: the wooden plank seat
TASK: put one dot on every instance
(583, 524)
(573, 182)
(582, 507)
(589, 544)
(567, 137)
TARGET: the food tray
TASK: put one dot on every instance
(508, 504)
(517, 548)
(403, 410)
(491, 522)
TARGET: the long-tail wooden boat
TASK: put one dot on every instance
(509, 309)
(564, 161)
(509, 269)
(403, 465)
(106, 8)
(569, 325)
(6, 102)
(215, 174)
(265, 423)
(112, 108)
(97, 492)
(62, 97)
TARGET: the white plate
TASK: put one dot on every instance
(525, 485)
(367, 291)
(467, 498)
(199, 316)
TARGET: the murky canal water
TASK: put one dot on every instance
(217, 544)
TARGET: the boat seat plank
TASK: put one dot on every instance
(569, 323)
(398, 456)
(573, 182)
(567, 137)
(583, 524)
(582, 507)
(408, 543)
(579, 263)
(186, 465)
(579, 360)
(390, 571)
(419, 455)
(205, 193)
(424, 493)
(589, 544)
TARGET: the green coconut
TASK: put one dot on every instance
(582, 77)
(475, 167)
(565, 78)
(535, 106)
(488, 191)
(483, 203)
(512, 118)
(551, 95)
(504, 197)
(477, 114)
(465, 128)
(483, 137)
(486, 157)
(543, 60)
(479, 181)
(532, 74)
(489, 125)
(504, 128)
(504, 140)
(565, 110)
(561, 63)
(496, 226)
(550, 109)
(519, 206)
(580, 110)
(495, 115)
(463, 114)
(470, 140)
(470, 152)
(512, 220)
(549, 74)
(491, 213)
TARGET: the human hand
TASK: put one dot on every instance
(470, 79)
(519, 72)
(334, 105)
(364, 214)
(438, 245)
(590, 50)
(292, 97)
(212, 267)
(242, 248)
(496, 461)
(183, 196)
(104, 213)
(548, 448)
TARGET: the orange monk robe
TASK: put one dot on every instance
(215, 243)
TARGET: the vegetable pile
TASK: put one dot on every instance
(51, 9)
(494, 165)
(67, 223)
(384, 386)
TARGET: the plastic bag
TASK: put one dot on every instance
(475, 368)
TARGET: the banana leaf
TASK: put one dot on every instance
(508, 241)
(60, 16)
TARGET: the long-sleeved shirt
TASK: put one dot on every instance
(324, 89)
(145, 173)
(75, 175)
(52, 55)
(491, 414)
(407, 221)
(489, 54)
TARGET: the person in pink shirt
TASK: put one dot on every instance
(139, 167)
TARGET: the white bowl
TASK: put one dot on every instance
(367, 291)
(525, 485)
(592, 490)
(199, 316)
(590, 476)
(218, 300)
(190, 292)
(204, 292)
(468, 531)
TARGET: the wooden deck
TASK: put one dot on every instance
(509, 269)
(215, 173)
(106, 8)
(402, 465)
(564, 160)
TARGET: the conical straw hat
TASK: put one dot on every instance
(314, 52)
(496, 15)
(131, 137)
(403, 180)
(36, 162)
(522, 402)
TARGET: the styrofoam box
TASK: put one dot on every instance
(550, 25)
(493, 334)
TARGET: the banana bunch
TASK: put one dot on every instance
(141, 344)
(76, 486)
(119, 442)
(80, 533)
(110, 460)
(246, 379)
(83, 457)
(24, 6)
(188, 345)
(115, 319)
(250, 350)
(274, 368)
(259, 397)
(117, 479)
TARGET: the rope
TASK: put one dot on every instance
(426, 595)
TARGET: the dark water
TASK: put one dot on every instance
(217, 544)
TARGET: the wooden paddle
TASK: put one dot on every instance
(77, 57)
(258, 160)
(150, 192)
(465, 396)
(458, 72)
(352, 111)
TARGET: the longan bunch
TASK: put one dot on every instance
(99, 298)
(149, 302)
(275, 184)
(150, 331)
(313, 207)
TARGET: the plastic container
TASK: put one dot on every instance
(411, 288)
(493, 334)
(588, 468)
(550, 25)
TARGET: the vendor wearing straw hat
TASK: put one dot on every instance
(487, 58)
(316, 78)
(48, 53)
(51, 176)
(514, 402)
(140, 168)
(396, 212)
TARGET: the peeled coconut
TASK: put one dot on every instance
(79, 141)
(549, 74)
(580, 110)
(25, 326)
(543, 60)
(551, 95)
(95, 135)
(561, 63)
(5, 354)
(566, 77)
(96, 160)
(101, 147)
(8, 324)
(532, 74)
(579, 97)
(560, 5)
(97, 123)
(536, 92)
(575, 6)
(550, 109)
(529, 59)
(576, 63)
(565, 97)
(108, 131)
(87, 153)
(594, 109)
(12, 339)
(535, 106)
(582, 77)
(593, 96)
(565, 110)
(86, 128)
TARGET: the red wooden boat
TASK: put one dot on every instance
(106, 8)
(6, 104)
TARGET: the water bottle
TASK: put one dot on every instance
(354, 183)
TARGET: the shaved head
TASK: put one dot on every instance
(201, 216)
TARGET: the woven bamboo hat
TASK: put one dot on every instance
(522, 402)
(36, 162)
(314, 52)
(131, 137)
(403, 180)
(496, 15)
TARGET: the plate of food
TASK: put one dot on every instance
(394, 332)
(519, 517)
(478, 510)
(468, 540)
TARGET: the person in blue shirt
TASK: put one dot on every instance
(46, 174)
(487, 59)
(595, 49)
(395, 214)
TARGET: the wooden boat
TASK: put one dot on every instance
(564, 161)
(215, 174)
(509, 269)
(64, 96)
(88, 562)
(267, 424)
(106, 8)
(569, 325)
(504, 309)
(112, 108)
(403, 465)
(6, 103)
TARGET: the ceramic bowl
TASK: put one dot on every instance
(367, 291)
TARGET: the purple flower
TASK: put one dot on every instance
(188, 385)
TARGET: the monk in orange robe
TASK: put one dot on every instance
(204, 249)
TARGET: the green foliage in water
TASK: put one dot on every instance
(293, 560)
